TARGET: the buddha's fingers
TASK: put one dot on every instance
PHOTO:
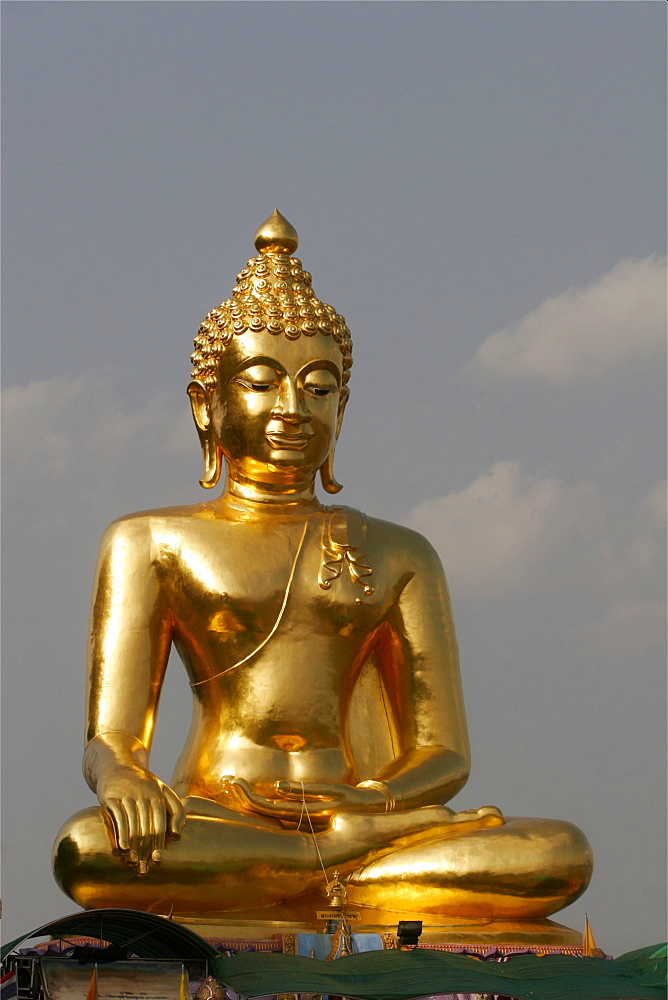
(120, 823)
(124, 816)
(130, 808)
(280, 808)
(176, 811)
(304, 790)
(144, 835)
(324, 799)
(159, 824)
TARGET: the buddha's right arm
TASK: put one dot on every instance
(129, 640)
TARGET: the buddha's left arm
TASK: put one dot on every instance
(419, 661)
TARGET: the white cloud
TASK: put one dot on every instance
(78, 439)
(629, 627)
(585, 330)
(498, 534)
(46, 421)
(654, 504)
(512, 532)
(33, 424)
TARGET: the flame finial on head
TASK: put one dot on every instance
(276, 235)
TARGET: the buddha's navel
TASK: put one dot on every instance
(288, 742)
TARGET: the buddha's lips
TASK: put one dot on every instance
(289, 441)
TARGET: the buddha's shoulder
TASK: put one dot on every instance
(396, 541)
(150, 524)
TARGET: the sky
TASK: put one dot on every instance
(479, 189)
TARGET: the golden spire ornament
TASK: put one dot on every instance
(589, 949)
(276, 235)
(210, 989)
(337, 892)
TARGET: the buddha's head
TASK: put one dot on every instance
(270, 372)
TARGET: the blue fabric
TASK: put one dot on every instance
(321, 944)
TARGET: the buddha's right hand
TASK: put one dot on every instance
(142, 808)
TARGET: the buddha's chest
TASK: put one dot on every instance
(237, 582)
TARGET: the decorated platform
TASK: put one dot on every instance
(109, 954)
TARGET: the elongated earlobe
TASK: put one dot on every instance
(212, 456)
(329, 483)
(212, 453)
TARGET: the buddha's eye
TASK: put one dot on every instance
(320, 384)
(317, 390)
(253, 386)
(259, 378)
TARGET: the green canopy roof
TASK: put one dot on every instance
(146, 934)
(397, 975)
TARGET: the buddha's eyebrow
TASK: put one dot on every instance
(318, 366)
(257, 362)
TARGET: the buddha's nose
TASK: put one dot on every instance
(290, 405)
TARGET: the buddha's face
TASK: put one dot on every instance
(275, 410)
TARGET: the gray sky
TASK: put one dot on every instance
(479, 189)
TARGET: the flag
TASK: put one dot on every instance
(92, 986)
(8, 987)
(184, 989)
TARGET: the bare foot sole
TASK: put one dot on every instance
(486, 816)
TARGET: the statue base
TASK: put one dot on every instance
(436, 928)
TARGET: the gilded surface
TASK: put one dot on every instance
(328, 727)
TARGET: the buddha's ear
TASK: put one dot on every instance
(343, 399)
(212, 453)
(200, 405)
(329, 483)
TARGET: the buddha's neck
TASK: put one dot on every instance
(243, 492)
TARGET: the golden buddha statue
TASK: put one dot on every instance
(328, 728)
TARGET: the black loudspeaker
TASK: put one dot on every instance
(408, 932)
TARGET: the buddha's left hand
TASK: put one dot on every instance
(323, 799)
